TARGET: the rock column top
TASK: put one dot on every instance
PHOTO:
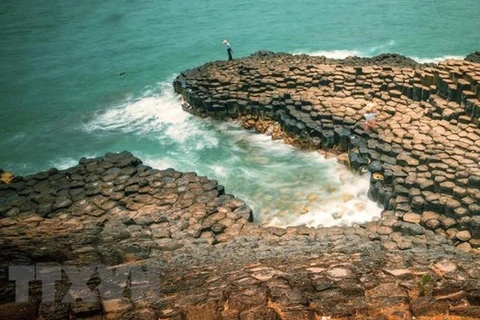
(427, 135)
(113, 213)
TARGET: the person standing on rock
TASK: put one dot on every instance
(370, 115)
(229, 49)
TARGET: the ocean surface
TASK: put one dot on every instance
(81, 78)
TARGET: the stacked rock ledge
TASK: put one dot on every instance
(424, 155)
(214, 262)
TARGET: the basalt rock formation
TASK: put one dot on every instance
(99, 225)
(473, 57)
(110, 216)
(384, 59)
(424, 154)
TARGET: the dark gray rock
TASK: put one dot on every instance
(357, 161)
(411, 229)
(375, 167)
(473, 57)
(474, 181)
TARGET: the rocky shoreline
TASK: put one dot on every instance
(213, 261)
(425, 153)
(420, 260)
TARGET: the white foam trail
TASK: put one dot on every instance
(334, 54)
(15, 137)
(65, 163)
(157, 115)
(282, 183)
(279, 181)
(149, 113)
(159, 163)
(220, 171)
(345, 205)
(437, 59)
(344, 53)
(372, 51)
(381, 48)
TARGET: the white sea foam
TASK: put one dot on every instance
(277, 180)
(334, 54)
(65, 163)
(220, 171)
(381, 48)
(341, 201)
(159, 163)
(149, 113)
(436, 59)
(343, 53)
(289, 187)
(154, 115)
(372, 51)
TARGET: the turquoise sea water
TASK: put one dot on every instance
(80, 78)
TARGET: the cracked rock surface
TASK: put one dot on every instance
(213, 262)
(425, 147)
(113, 216)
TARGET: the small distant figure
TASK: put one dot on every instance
(229, 49)
(370, 116)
